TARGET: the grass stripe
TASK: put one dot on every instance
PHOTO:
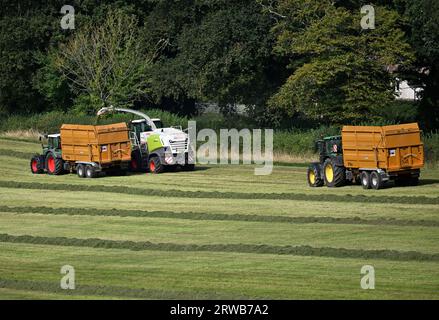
(221, 195)
(236, 248)
(217, 216)
(110, 291)
(16, 154)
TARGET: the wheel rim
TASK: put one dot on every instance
(374, 181)
(51, 164)
(34, 166)
(364, 180)
(312, 177)
(152, 166)
(88, 172)
(329, 173)
(80, 171)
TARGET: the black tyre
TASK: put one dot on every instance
(314, 177)
(155, 166)
(136, 162)
(375, 180)
(36, 165)
(90, 172)
(365, 179)
(54, 165)
(334, 176)
(80, 170)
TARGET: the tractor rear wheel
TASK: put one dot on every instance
(335, 176)
(36, 166)
(54, 165)
(365, 179)
(155, 166)
(314, 177)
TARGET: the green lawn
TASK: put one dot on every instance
(219, 232)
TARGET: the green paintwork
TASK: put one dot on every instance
(154, 142)
(54, 146)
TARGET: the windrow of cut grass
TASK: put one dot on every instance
(236, 248)
(222, 195)
(109, 291)
(218, 216)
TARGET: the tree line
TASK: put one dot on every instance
(288, 62)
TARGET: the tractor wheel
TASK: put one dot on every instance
(90, 172)
(36, 166)
(54, 165)
(314, 178)
(365, 179)
(136, 162)
(375, 180)
(80, 170)
(155, 166)
(335, 176)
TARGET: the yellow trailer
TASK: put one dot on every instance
(90, 149)
(371, 155)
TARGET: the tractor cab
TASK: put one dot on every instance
(329, 147)
(53, 143)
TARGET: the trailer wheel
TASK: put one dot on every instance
(80, 170)
(365, 179)
(314, 177)
(36, 166)
(155, 165)
(335, 176)
(90, 172)
(375, 180)
(54, 165)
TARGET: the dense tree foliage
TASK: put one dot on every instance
(282, 59)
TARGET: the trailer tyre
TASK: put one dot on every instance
(90, 172)
(375, 180)
(334, 176)
(54, 165)
(314, 177)
(365, 179)
(36, 165)
(80, 170)
(155, 166)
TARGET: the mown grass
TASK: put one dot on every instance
(219, 232)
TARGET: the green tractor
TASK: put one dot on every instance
(50, 160)
(330, 169)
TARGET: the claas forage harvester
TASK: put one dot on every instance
(370, 155)
(86, 150)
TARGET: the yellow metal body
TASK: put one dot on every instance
(391, 148)
(101, 144)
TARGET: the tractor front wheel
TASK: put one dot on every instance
(335, 176)
(314, 178)
(54, 165)
(155, 166)
(36, 166)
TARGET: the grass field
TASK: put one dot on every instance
(219, 232)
